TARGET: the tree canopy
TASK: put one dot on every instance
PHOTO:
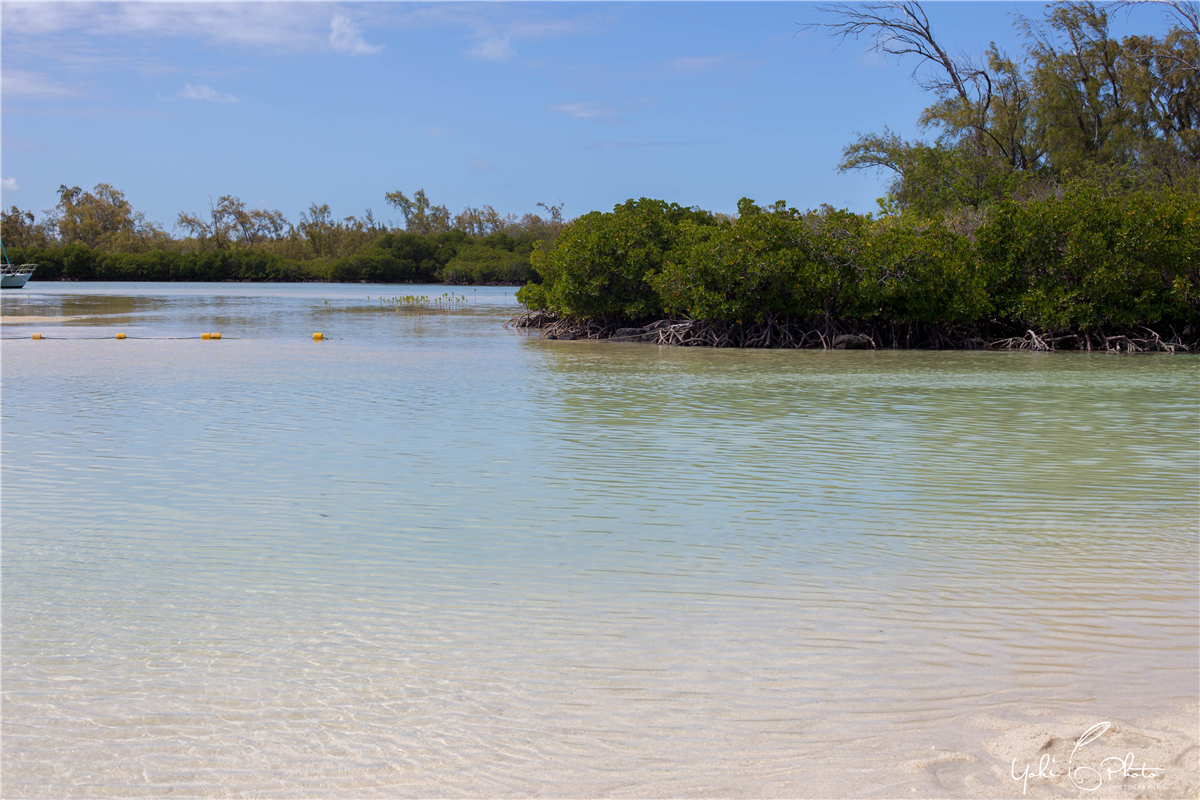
(1076, 99)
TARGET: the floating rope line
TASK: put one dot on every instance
(41, 337)
(317, 337)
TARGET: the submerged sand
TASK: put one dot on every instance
(17, 319)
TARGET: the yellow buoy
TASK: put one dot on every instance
(318, 337)
(120, 336)
(206, 336)
(37, 336)
(216, 336)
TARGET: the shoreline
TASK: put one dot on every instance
(783, 333)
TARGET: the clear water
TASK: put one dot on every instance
(429, 556)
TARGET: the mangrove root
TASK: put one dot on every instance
(781, 331)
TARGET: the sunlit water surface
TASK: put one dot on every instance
(429, 556)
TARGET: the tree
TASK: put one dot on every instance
(1132, 102)
(103, 219)
(1164, 87)
(602, 264)
(338, 238)
(1079, 99)
(483, 221)
(901, 28)
(929, 180)
(1000, 121)
(982, 110)
(259, 225)
(21, 229)
(317, 226)
(742, 271)
(230, 222)
(420, 215)
(1079, 79)
(1186, 15)
(216, 232)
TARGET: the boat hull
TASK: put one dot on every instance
(15, 277)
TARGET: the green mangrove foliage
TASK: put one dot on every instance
(769, 261)
(417, 305)
(479, 263)
(1083, 260)
(828, 264)
(601, 264)
(1091, 260)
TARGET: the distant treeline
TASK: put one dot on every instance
(450, 257)
(97, 236)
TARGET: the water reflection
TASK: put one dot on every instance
(84, 309)
(1027, 443)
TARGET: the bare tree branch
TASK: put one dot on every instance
(899, 28)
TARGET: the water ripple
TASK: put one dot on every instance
(432, 557)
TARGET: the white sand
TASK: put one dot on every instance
(16, 319)
(1152, 757)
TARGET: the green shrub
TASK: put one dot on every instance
(1089, 260)
(735, 272)
(602, 263)
(478, 263)
(923, 272)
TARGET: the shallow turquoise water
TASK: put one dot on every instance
(431, 556)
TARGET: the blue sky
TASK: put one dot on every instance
(508, 104)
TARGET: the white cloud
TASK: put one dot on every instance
(9, 185)
(593, 112)
(33, 85)
(496, 38)
(35, 18)
(204, 92)
(493, 48)
(282, 27)
(496, 28)
(345, 37)
(480, 165)
(493, 30)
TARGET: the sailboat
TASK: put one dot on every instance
(12, 276)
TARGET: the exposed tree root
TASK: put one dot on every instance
(780, 331)
(1144, 340)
